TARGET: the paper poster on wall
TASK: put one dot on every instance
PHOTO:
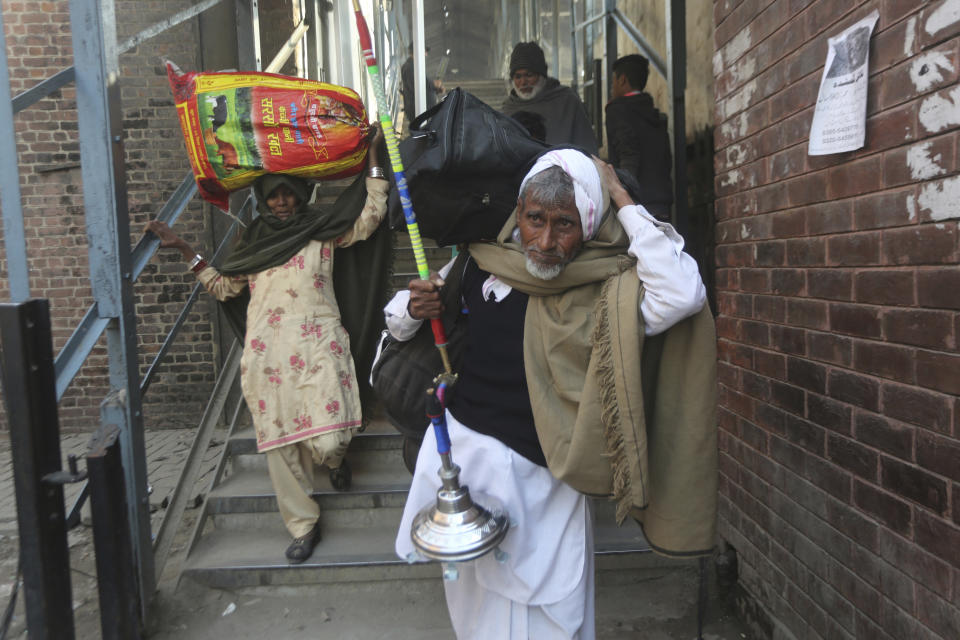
(840, 117)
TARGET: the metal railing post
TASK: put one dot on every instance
(26, 362)
(317, 39)
(248, 34)
(610, 33)
(575, 72)
(116, 579)
(556, 39)
(14, 238)
(419, 63)
(677, 81)
(111, 270)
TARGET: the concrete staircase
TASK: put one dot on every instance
(239, 540)
(404, 265)
(493, 91)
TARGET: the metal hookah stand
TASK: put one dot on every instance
(455, 528)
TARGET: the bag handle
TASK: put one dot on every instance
(429, 113)
(423, 117)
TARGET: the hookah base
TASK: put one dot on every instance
(456, 529)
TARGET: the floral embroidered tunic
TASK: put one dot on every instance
(296, 372)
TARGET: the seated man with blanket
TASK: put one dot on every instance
(589, 368)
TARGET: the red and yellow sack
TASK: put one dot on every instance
(238, 126)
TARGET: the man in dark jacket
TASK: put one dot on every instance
(533, 91)
(637, 138)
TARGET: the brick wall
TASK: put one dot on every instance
(38, 45)
(838, 290)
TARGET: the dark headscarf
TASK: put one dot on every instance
(361, 272)
(269, 242)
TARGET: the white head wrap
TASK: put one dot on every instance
(586, 184)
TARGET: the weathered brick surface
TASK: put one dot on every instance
(840, 314)
(39, 45)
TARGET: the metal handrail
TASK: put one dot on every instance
(85, 337)
(62, 78)
(161, 26)
(41, 90)
(191, 299)
(634, 34)
(190, 471)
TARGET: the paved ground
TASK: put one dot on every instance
(166, 451)
(655, 603)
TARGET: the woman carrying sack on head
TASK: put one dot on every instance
(297, 370)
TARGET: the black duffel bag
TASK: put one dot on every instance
(463, 163)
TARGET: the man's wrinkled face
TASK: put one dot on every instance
(283, 202)
(550, 236)
(526, 83)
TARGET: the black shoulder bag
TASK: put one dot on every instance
(403, 371)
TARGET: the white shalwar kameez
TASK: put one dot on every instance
(543, 588)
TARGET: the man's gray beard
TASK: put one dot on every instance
(537, 88)
(544, 272)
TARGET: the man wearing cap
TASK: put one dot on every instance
(577, 294)
(637, 138)
(532, 90)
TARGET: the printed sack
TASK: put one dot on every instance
(240, 125)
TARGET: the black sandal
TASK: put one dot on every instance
(341, 477)
(301, 548)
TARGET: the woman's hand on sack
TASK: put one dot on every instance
(375, 154)
(169, 239)
(425, 300)
(376, 143)
(618, 192)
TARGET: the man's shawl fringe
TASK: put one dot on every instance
(610, 408)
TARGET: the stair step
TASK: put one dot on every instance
(403, 247)
(249, 490)
(493, 91)
(228, 557)
(237, 552)
(610, 539)
(244, 539)
(374, 465)
(379, 434)
(380, 480)
(246, 501)
(385, 517)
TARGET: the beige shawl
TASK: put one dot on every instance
(618, 414)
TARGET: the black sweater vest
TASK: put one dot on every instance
(491, 396)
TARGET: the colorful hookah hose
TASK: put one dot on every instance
(396, 164)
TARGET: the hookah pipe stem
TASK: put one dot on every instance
(396, 164)
(436, 413)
